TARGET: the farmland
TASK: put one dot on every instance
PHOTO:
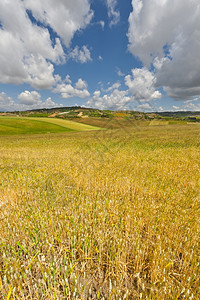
(17, 126)
(108, 214)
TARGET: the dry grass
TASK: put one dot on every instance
(104, 215)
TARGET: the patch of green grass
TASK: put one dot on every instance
(17, 126)
(68, 124)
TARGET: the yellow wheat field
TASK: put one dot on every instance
(101, 215)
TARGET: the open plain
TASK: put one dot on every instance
(111, 214)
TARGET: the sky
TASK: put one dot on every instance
(107, 54)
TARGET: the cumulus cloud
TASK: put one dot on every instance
(119, 73)
(40, 72)
(138, 96)
(113, 13)
(175, 107)
(116, 100)
(27, 100)
(81, 55)
(144, 107)
(81, 84)
(49, 103)
(141, 85)
(5, 102)
(67, 90)
(102, 23)
(192, 100)
(27, 51)
(114, 86)
(189, 105)
(160, 109)
(166, 33)
(67, 79)
(30, 98)
(65, 17)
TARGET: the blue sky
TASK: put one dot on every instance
(108, 54)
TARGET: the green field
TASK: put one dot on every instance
(111, 214)
(17, 126)
(67, 124)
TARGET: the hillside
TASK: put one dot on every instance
(109, 118)
(16, 125)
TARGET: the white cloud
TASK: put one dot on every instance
(113, 13)
(192, 100)
(140, 93)
(141, 85)
(160, 109)
(81, 84)
(145, 107)
(67, 90)
(27, 100)
(138, 96)
(114, 86)
(5, 102)
(96, 95)
(81, 55)
(175, 107)
(102, 23)
(100, 57)
(27, 52)
(30, 100)
(116, 100)
(119, 73)
(167, 33)
(65, 16)
(40, 72)
(67, 79)
(49, 103)
(192, 106)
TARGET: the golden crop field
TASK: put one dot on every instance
(111, 214)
